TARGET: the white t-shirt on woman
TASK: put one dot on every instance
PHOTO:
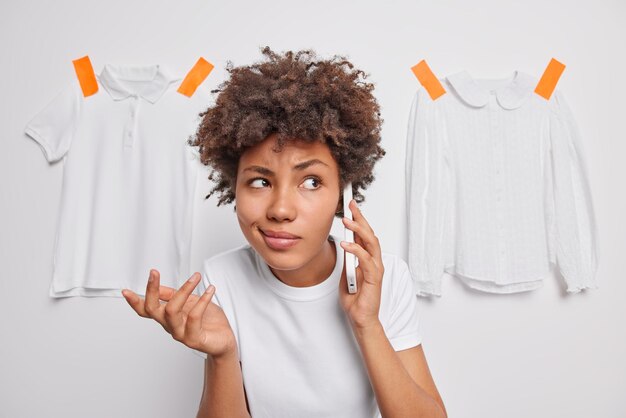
(298, 354)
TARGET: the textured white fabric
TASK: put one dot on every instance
(128, 181)
(298, 354)
(497, 189)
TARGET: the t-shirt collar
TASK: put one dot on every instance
(328, 286)
(511, 96)
(156, 79)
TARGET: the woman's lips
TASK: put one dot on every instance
(279, 240)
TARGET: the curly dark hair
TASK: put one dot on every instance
(296, 96)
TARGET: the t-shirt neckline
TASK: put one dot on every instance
(152, 81)
(330, 284)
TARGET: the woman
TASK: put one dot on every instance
(283, 138)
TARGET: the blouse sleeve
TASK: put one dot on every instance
(53, 127)
(426, 193)
(575, 228)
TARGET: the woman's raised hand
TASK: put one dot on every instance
(362, 308)
(190, 319)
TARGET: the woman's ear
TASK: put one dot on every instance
(339, 210)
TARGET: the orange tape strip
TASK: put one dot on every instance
(428, 80)
(195, 77)
(549, 79)
(86, 76)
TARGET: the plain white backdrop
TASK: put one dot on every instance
(539, 354)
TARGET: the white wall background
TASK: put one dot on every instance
(540, 354)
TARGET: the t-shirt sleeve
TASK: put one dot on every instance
(403, 328)
(53, 127)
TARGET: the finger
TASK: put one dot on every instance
(173, 309)
(357, 215)
(193, 327)
(358, 230)
(364, 234)
(366, 262)
(179, 297)
(165, 292)
(152, 305)
(135, 302)
(374, 250)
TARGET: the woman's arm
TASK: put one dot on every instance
(401, 390)
(223, 394)
(401, 382)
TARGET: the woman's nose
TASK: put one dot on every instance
(282, 206)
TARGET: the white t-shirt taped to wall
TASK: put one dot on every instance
(298, 354)
(129, 179)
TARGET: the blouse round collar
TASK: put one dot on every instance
(518, 88)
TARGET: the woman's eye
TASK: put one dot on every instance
(311, 183)
(259, 183)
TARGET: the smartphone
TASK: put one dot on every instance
(348, 235)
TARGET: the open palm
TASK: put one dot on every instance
(193, 320)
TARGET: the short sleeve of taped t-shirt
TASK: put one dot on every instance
(54, 126)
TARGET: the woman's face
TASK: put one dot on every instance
(286, 203)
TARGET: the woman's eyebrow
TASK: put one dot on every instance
(300, 166)
(260, 170)
(306, 164)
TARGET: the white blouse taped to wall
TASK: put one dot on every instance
(497, 190)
